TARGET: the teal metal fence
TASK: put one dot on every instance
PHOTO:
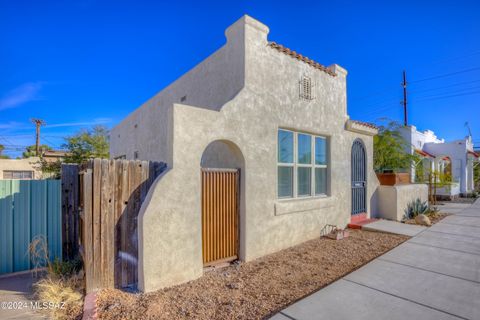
(28, 208)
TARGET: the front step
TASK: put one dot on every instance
(359, 224)
(358, 220)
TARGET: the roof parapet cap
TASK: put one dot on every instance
(244, 21)
(338, 70)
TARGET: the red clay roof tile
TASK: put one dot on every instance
(366, 124)
(300, 57)
(424, 153)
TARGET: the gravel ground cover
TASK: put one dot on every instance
(256, 289)
(434, 218)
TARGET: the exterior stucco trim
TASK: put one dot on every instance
(303, 205)
(357, 127)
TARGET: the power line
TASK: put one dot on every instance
(449, 96)
(54, 145)
(449, 92)
(391, 106)
(445, 75)
(444, 87)
(388, 106)
(474, 53)
(6, 140)
(389, 88)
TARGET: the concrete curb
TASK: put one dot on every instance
(90, 307)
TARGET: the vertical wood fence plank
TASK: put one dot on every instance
(87, 206)
(117, 221)
(133, 235)
(110, 225)
(104, 227)
(124, 219)
(129, 217)
(97, 258)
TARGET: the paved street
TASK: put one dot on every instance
(434, 275)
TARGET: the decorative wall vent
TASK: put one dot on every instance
(306, 88)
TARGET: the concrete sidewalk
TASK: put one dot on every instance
(15, 297)
(394, 227)
(434, 275)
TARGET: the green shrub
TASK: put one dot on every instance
(65, 268)
(416, 207)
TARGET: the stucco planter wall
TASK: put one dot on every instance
(392, 200)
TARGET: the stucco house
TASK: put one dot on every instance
(20, 169)
(456, 158)
(260, 152)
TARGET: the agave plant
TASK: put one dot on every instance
(416, 207)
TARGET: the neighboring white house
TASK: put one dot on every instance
(261, 113)
(455, 157)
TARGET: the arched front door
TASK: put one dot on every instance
(359, 178)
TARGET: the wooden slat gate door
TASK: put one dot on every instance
(220, 215)
(359, 178)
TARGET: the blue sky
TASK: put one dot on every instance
(80, 63)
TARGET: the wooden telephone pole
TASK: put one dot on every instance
(405, 111)
(38, 123)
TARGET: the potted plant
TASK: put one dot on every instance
(390, 157)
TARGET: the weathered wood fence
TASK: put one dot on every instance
(110, 194)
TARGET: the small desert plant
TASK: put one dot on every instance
(65, 269)
(432, 211)
(416, 207)
(473, 194)
(38, 250)
(60, 291)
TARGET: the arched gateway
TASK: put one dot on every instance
(220, 169)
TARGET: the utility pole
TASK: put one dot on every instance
(405, 112)
(468, 127)
(38, 123)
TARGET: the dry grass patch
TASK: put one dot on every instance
(256, 289)
(63, 297)
(60, 290)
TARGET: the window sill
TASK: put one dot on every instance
(307, 204)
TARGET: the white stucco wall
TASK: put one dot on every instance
(457, 152)
(416, 139)
(259, 100)
(462, 172)
(393, 200)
